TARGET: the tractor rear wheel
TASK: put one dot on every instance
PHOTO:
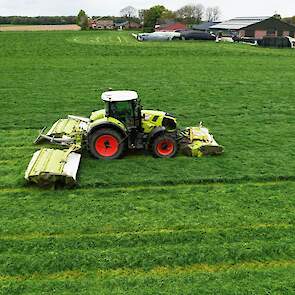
(106, 144)
(164, 146)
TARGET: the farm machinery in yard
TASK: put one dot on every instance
(108, 133)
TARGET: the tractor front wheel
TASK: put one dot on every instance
(106, 144)
(164, 146)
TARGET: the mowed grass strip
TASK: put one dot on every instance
(253, 203)
(122, 235)
(155, 272)
(146, 250)
(252, 277)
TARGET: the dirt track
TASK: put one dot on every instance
(40, 28)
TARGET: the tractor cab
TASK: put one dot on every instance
(123, 106)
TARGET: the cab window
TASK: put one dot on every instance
(122, 111)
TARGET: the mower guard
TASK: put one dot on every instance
(198, 142)
(50, 166)
(65, 131)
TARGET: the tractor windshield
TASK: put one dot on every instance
(123, 111)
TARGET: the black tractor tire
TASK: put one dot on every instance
(106, 144)
(164, 146)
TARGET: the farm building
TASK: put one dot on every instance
(102, 24)
(255, 27)
(127, 25)
(97, 24)
(170, 27)
(205, 26)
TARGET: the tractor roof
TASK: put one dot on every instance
(114, 96)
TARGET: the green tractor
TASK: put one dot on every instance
(122, 126)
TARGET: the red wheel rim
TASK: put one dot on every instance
(165, 147)
(107, 145)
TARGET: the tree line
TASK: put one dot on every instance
(38, 20)
(289, 20)
(188, 14)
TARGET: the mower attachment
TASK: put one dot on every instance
(198, 142)
(65, 131)
(49, 166)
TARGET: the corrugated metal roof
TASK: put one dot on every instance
(205, 25)
(239, 23)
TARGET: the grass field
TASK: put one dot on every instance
(218, 225)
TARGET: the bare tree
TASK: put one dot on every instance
(141, 13)
(191, 13)
(216, 13)
(184, 12)
(213, 13)
(128, 12)
(199, 12)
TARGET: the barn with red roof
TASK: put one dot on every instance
(172, 27)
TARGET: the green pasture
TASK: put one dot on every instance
(139, 225)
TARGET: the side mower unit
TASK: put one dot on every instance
(49, 166)
(109, 133)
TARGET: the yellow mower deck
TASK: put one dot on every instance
(49, 166)
(198, 142)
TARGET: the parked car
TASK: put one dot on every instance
(196, 35)
(157, 36)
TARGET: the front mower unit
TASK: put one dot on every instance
(108, 133)
(198, 142)
(49, 166)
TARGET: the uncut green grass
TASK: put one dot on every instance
(143, 238)
(243, 94)
(140, 225)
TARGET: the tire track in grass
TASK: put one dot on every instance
(275, 179)
(160, 271)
